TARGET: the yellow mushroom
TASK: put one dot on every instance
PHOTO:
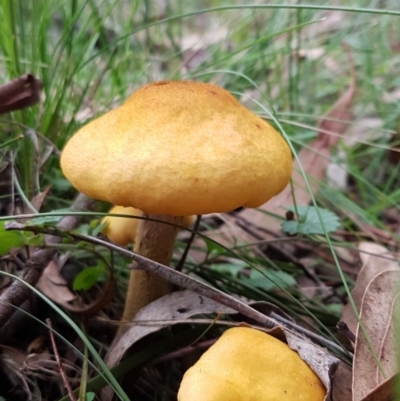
(123, 230)
(248, 365)
(174, 149)
(179, 148)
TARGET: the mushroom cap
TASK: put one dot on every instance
(122, 230)
(179, 148)
(248, 365)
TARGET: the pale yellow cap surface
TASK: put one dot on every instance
(123, 230)
(179, 148)
(248, 365)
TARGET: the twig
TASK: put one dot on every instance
(181, 263)
(184, 281)
(17, 292)
(59, 363)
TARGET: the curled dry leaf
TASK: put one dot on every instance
(98, 304)
(82, 307)
(181, 305)
(19, 93)
(319, 360)
(375, 259)
(176, 306)
(54, 286)
(38, 200)
(380, 303)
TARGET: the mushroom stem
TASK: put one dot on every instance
(155, 241)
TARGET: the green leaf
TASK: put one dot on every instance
(88, 277)
(92, 229)
(40, 220)
(213, 249)
(309, 221)
(97, 227)
(229, 268)
(334, 309)
(270, 279)
(83, 229)
(90, 396)
(33, 240)
(15, 239)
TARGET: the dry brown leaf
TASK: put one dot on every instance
(341, 383)
(12, 362)
(364, 130)
(54, 286)
(37, 345)
(379, 304)
(19, 93)
(384, 392)
(178, 305)
(319, 360)
(375, 259)
(38, 200)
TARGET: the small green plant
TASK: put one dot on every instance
(88, 277)
(90, 396)
(309, 221)
(16, 239)
(270, 279)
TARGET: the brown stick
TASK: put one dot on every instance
(154, 241)
(63, 375)
(17, 292)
